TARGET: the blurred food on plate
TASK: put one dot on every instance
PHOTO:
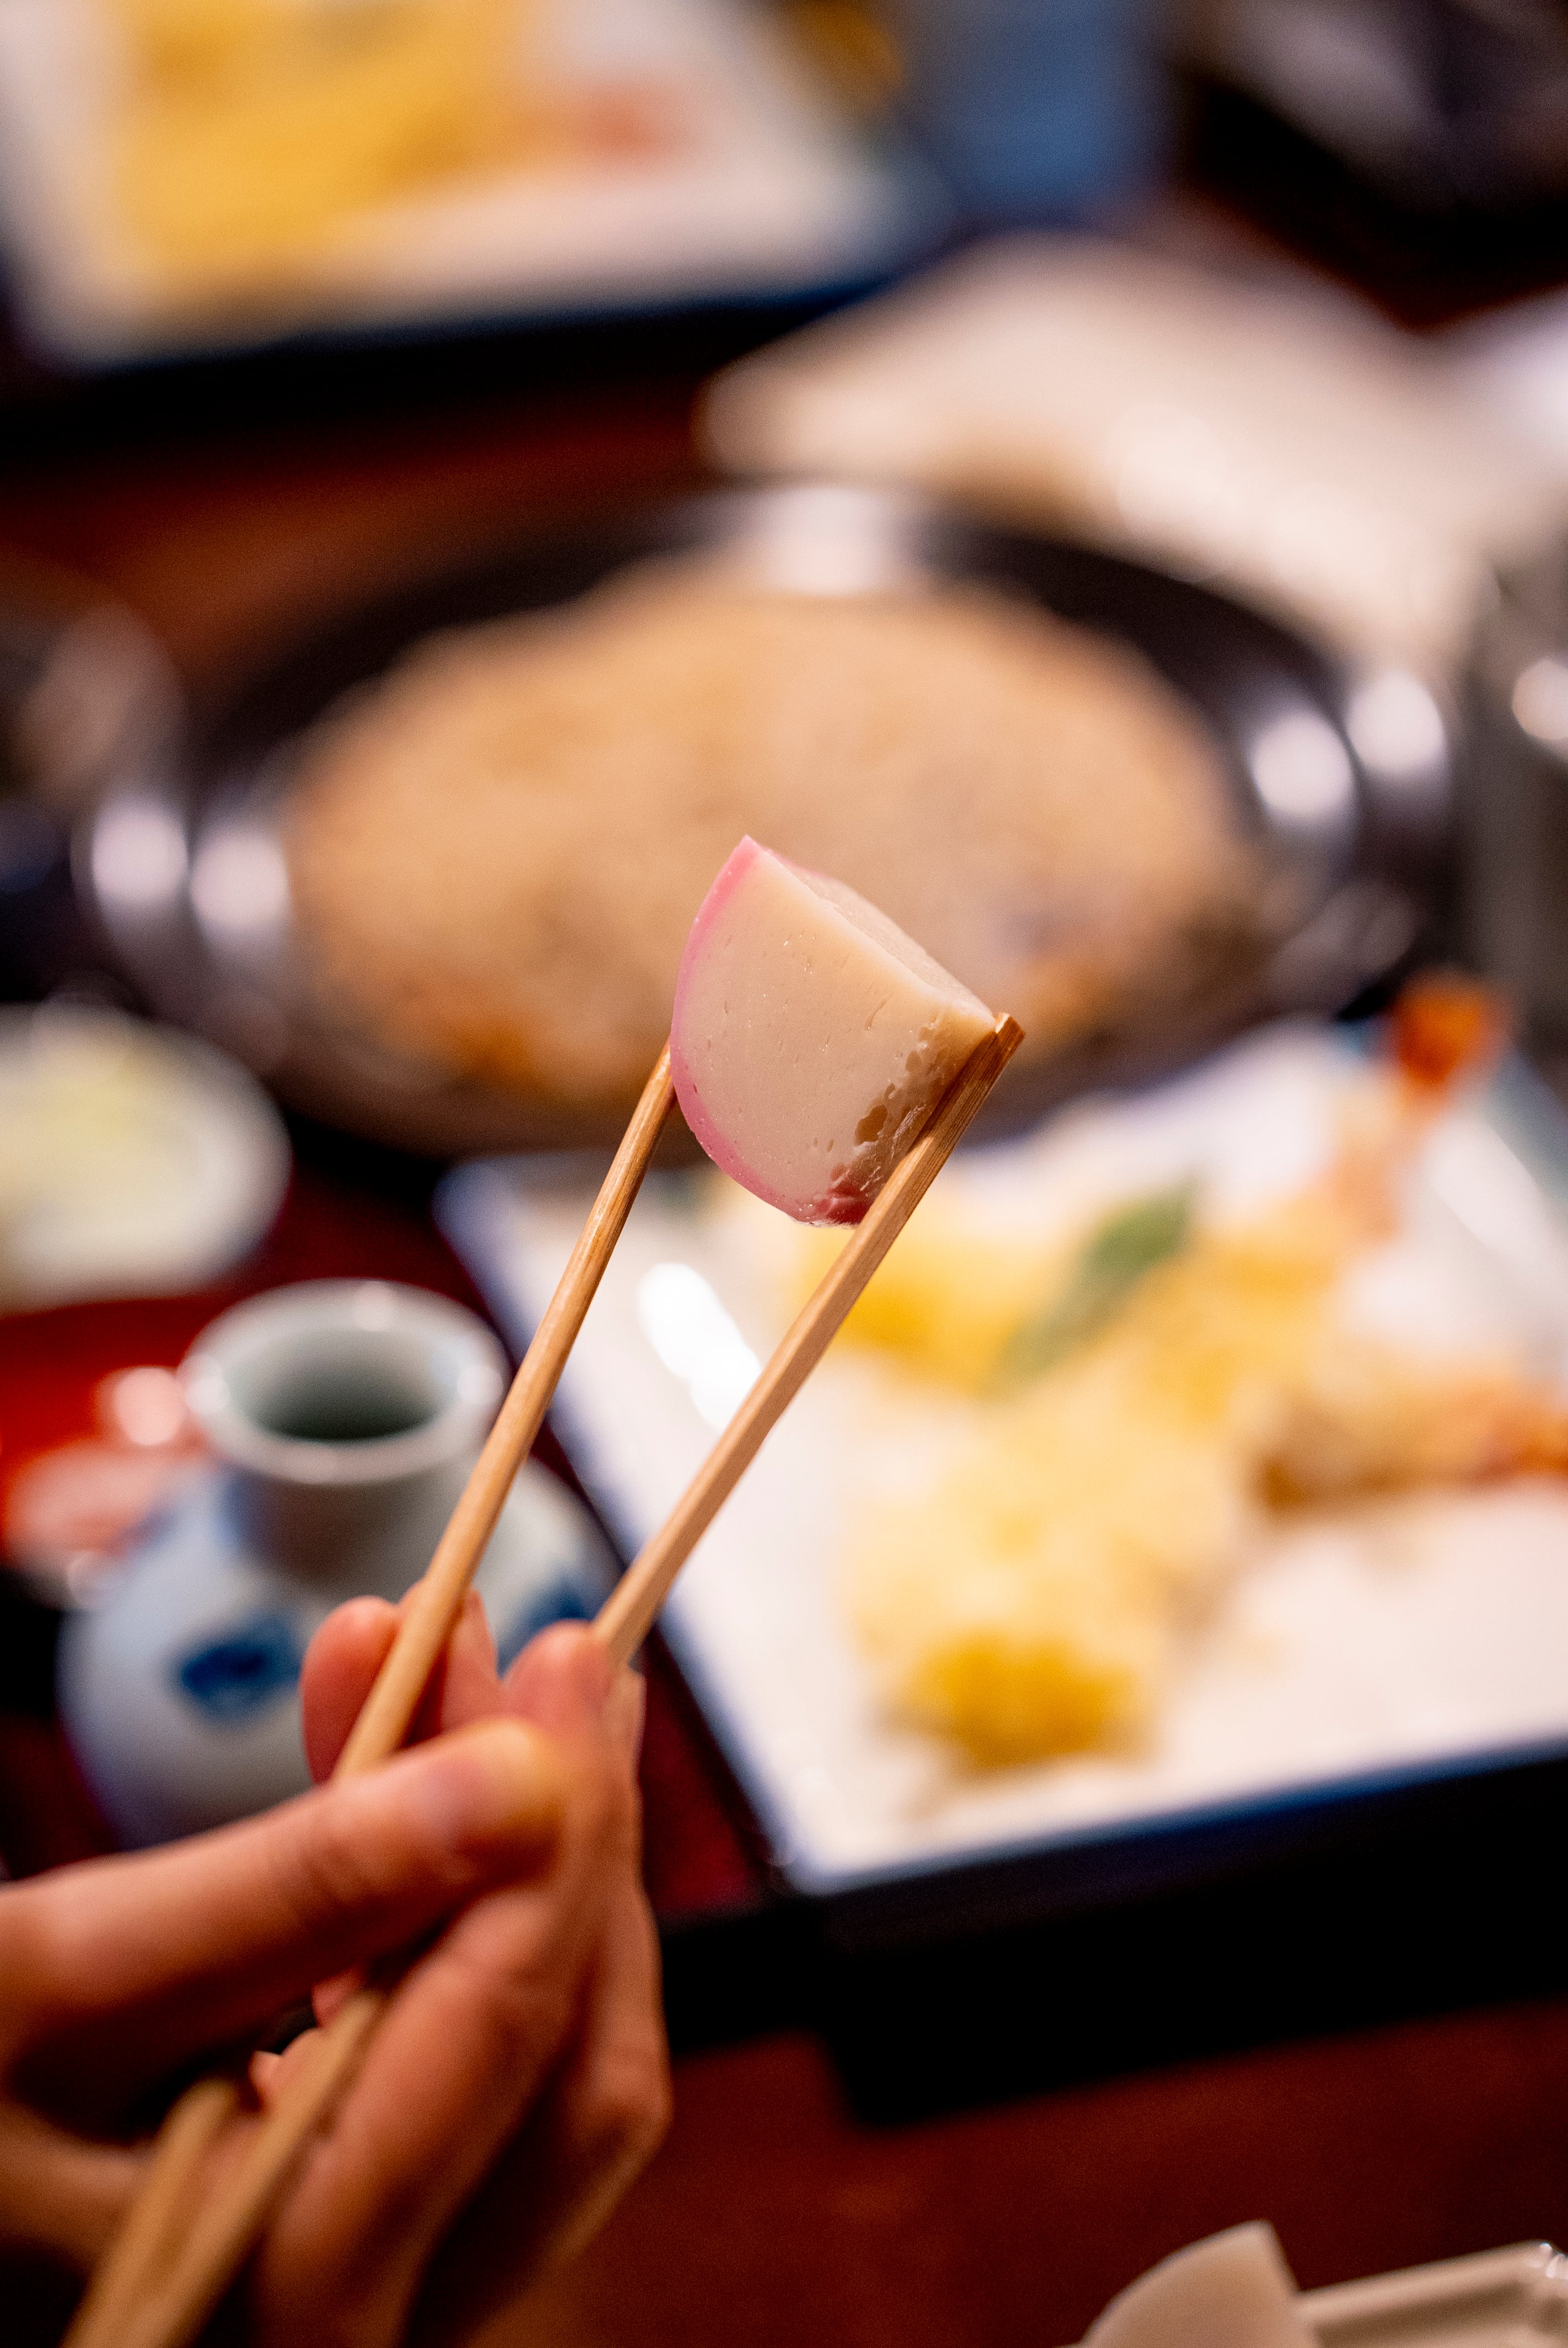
(133, 1160)
(1145, 1390)
(497, 852)
(429, 868)
(185, 175)
(1274, 434)
(245, 128)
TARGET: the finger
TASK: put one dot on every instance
(339, 1670)
(270, 2074)
(73, 2194)
(464, 1687)
(126, 1966)
(619, 1724)
(466, 2048)
(611, 2110)
(348, 1651)
(562, 1681)
(473, 2036)
(601, 2119)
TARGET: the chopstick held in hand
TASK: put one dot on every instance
(166, 2303)
(144, 2250)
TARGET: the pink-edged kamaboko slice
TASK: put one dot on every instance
(812, 1039)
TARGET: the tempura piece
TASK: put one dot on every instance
(1175, 1382)
(1032, 1603)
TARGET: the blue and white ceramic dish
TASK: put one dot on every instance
(345, 1417)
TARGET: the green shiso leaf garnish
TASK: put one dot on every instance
(1113, 1258)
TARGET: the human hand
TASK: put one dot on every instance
(518, 2082)
(548, 2027)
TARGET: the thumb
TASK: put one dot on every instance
(125, 1968)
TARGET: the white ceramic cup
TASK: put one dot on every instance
(351, 1412)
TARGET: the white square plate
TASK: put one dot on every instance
(1418, 1635)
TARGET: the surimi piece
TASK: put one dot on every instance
(811, 1038)
(1233, 2290)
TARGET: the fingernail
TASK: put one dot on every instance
(498, 1784)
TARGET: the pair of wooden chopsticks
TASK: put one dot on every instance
(164, 2273)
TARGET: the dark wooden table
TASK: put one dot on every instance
(776, 2213)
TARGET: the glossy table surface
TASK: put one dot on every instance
(776, 2213)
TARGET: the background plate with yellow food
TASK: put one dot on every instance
(186, 176)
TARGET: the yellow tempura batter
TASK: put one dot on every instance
(1032, 1603)
(249, 129)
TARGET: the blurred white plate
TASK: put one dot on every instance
(1256, 428)
(134, 1162)
(766, 192)
(1500, 2299)
(1419, 1634)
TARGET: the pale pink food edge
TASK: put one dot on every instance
(837, 1206)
